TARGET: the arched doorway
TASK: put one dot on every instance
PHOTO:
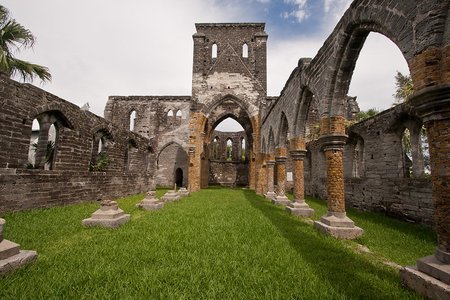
(179, 177)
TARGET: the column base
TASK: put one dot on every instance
(281, 200)
(424, 284)
(109, 215)
(12, 258)
(150, 204)
(270, 195)
(339, 226)
(170, 196)
(300, 208)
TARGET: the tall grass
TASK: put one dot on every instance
(214, 244)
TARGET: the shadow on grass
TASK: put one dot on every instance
(351, 275)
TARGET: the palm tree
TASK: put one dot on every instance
(13, 38)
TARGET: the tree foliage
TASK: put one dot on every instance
(13, 38)
(403, 87)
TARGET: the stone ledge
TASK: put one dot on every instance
(424, 284)
(16, 261)
(8, 249)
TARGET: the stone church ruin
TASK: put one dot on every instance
(299, 141)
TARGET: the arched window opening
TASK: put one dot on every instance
(34, 138)
(245, 50)
(50, 151)
(132, 120)
(214, 51)
(148, 159)
(169, 117)
(229, 154)
(243, 154)
(179, 114)
(99, 158)
(407, 153)
(216, 148)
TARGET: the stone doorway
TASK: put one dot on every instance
(179, 177)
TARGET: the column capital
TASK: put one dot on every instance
(270, 163)
(333, 142)
(280, 159)
(281, 152)
(297, 143)
(432, 103)
(298, 154)
(191, 150)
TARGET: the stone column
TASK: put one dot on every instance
(299, 207)
(193, 184)
(280, 159)
(336, 222)
(270, 166)
(431, 277)
(41, 150)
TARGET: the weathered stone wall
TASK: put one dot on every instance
(69, 179)
(225, 170)
(375, 178)
(169, 160)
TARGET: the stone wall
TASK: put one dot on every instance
(69, 179)
(375, 175)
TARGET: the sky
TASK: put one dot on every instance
(98, 48)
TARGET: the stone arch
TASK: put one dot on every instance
(171, 157)
(307, 113)
(283, 133)
(353, 28)
(46, 148)
(271, 142)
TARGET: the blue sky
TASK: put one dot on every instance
(97, 48)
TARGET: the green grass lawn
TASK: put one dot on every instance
(214, 244)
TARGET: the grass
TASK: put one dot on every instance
(214, 244)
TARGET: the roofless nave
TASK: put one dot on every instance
(173, 138)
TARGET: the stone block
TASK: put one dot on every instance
(270, 195)
(435, 268)
(11, 257)
(301, 209)
(16, 261)
(424, 284)
(339, 226)
(170, 196)
(281, 200)
(109, 215)
(183, 192)
(150, 202)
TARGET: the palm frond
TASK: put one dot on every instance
(28, 71)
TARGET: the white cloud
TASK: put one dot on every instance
(99, 48)
(300, 11)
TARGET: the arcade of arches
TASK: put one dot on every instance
(302, 140)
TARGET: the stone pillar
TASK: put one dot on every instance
(336, 222)
(193, 179)
(11, 257)
(431, 276)
(280, 159)
(41, 150)
(299, 207)
(270, 166)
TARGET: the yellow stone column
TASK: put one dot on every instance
(299, 207)
(335, 222)
(280, 160)
(431, 277)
